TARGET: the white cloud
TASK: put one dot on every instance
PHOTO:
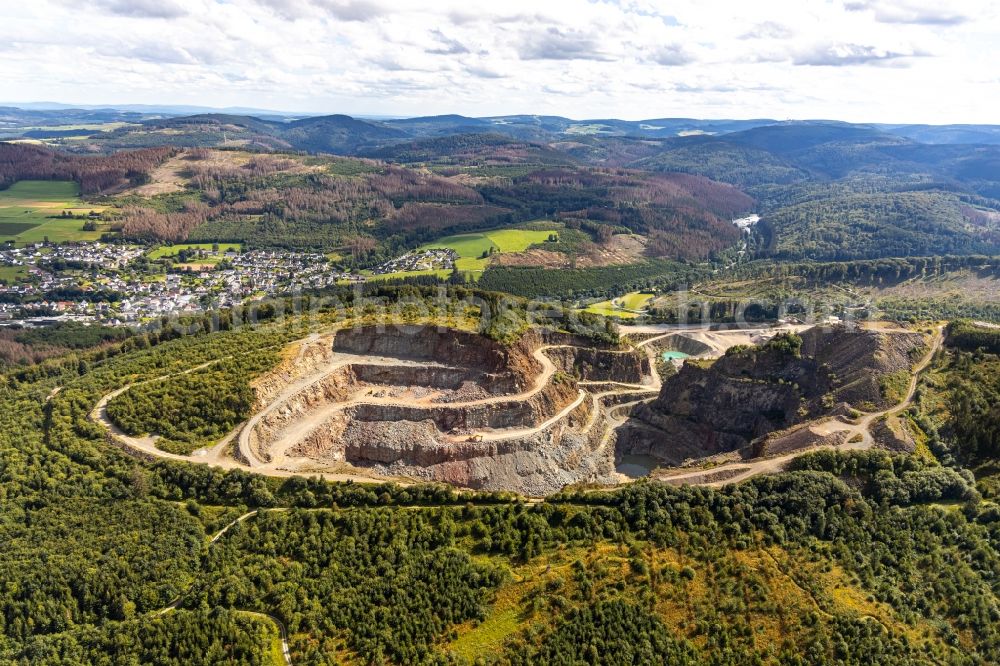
(849, 55)
(903, 11)
(768, 30)
(161, 9)
(554, 43)
(671, 54)
(898, 60)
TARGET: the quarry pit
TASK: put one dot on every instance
(547, 411)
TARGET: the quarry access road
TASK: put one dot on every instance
(278, 450)
(216, 455)
(282, 465)
(146, 446)
(337, 362)
(740, 471)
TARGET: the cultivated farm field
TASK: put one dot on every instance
(30, 212)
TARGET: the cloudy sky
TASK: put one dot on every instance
(859, 60)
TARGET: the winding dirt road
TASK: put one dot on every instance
(338, 362)
(175, 604)
(280, 460)
(280, 463)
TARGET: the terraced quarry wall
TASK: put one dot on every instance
(548, 410)
(506, 369)
(440, 404)
(743, 396)
(588, 364)
(538, 464)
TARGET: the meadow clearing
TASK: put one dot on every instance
(173, 250)
(471, 247)
(628, 306)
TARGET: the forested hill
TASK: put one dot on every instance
(373, 211)
(825, 190)
(93, 174)
(836, 192)
(852, 558)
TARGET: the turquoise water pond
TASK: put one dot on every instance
(636, 466)
(671, 354)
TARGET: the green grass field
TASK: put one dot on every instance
(518, 240)
(11, 274)
(29, 211)
(622, 306)
(440, 272)
(470, 248)
(637, 300)
(173, 250)
(606, 309)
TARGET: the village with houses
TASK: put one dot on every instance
(430, 259)
(118, 284)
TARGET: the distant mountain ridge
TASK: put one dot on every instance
(524, 126)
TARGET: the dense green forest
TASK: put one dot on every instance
(743, 166)
(191, 410)
(969, 336)
(870, 225)
(584, 282)
(872, 271)
(900, 289)
(959, 403)
(178, 638)
(25, 346)
(853, 558)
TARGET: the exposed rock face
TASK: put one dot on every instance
(306, 357)
(751, 392)
(505, 369)
(376, 433)
(404, 402)
(858, 359)
(537, 465)
(429, 376)
(496, 415)
(796, 439)
(332, 388)
(891, 433)
(588, 364)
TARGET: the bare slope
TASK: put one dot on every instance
(752, 391)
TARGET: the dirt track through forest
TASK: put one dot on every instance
(282, 631)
